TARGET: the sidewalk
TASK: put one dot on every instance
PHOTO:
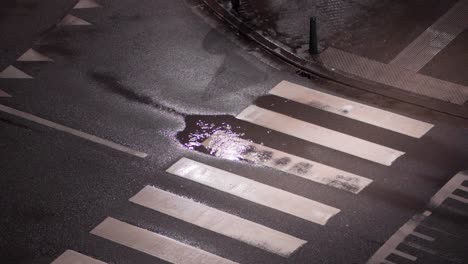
(411, 50)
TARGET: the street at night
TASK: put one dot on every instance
(219, 131)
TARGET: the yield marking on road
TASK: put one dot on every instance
(231, 147)
(70, 20)
(86, 4)
(154, 244)
(73, 257)
(12, 72)
(344, 107)
(32, 55)
(432, 41)
(4, 94)
(71, 131)
(218, 221)
(393, 75)
(253, 191)
(320, 135)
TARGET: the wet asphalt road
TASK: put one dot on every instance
(145, 76)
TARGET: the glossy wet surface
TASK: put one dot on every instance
(167, 79)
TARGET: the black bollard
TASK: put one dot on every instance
(313, 39)
(235, 5)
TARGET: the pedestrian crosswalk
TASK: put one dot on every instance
(226, 146)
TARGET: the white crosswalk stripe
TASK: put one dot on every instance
(154, 244)
(218, 221)
(224, 145)
(73, 257)
(320, 135)
(351, 109)
(253, 191)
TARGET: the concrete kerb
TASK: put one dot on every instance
(314, 67)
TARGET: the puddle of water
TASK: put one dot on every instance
(200, 128)
(224, 137)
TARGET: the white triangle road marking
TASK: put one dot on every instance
(32, 55)
(70, 20)
(4, 94)
(12, 72)
(86, 4)
(71, 256)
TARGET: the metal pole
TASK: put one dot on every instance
(313, 39)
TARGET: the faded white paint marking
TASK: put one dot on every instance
(437, 37)
(86, 4)
(395, 76)
(448, 189)
(70, 20)
(408, 228)
(154, 244)
(224, 145)
(32, 55)
(392, 243)
(71, 131)
(12, 72)
(422, 248)
(73, 257)
(463, 188)
(4, 94)
(351, 109)
(320, 135)
(458, 198)
(440, 231)
(422, 236)
(404, 255)
(218, 221)
(253, 191)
